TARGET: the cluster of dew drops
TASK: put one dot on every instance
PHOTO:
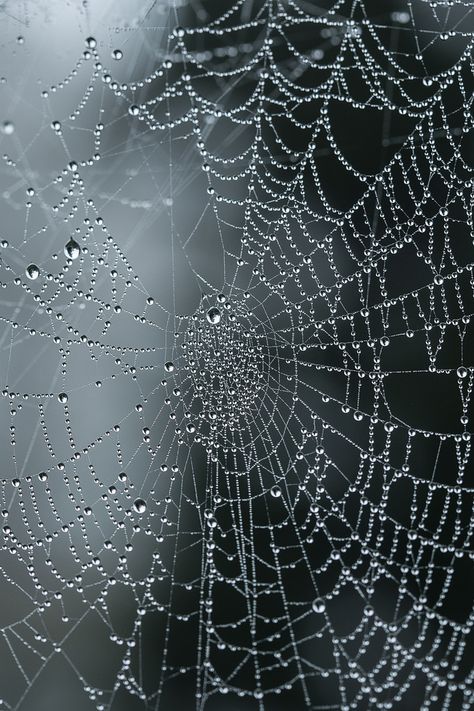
(72, 249)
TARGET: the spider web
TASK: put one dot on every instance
(236, 428)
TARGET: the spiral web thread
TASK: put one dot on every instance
(259, 496)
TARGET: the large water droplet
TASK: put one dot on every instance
(62, 397)
(213, 316)
(318, 605)
(32, 271)
(275, 491)
(139, 506)
(462, 372)
(8, 128)
(169, 366)
(72, 249)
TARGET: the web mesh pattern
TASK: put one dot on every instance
(263, 499)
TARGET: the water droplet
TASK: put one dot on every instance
(72, 249)
(91, 42)
(139, 506)
(462, 372)
(8, 128)
(133, 110)
(169, 366)
(32, 271)
(318, 605)
(72, 165)
(62, 397)
(117, 54)
(275, 491)
(213, 316)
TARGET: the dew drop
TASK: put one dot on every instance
(32, 271)
(318, 605)
(139, 505)
(62, 397)
(117, 54)
(213, 316)
(169, 366)
(72, 249)
(91, 42)
(133, 110)
(275, 491)
(8, 128)
(461, 372)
